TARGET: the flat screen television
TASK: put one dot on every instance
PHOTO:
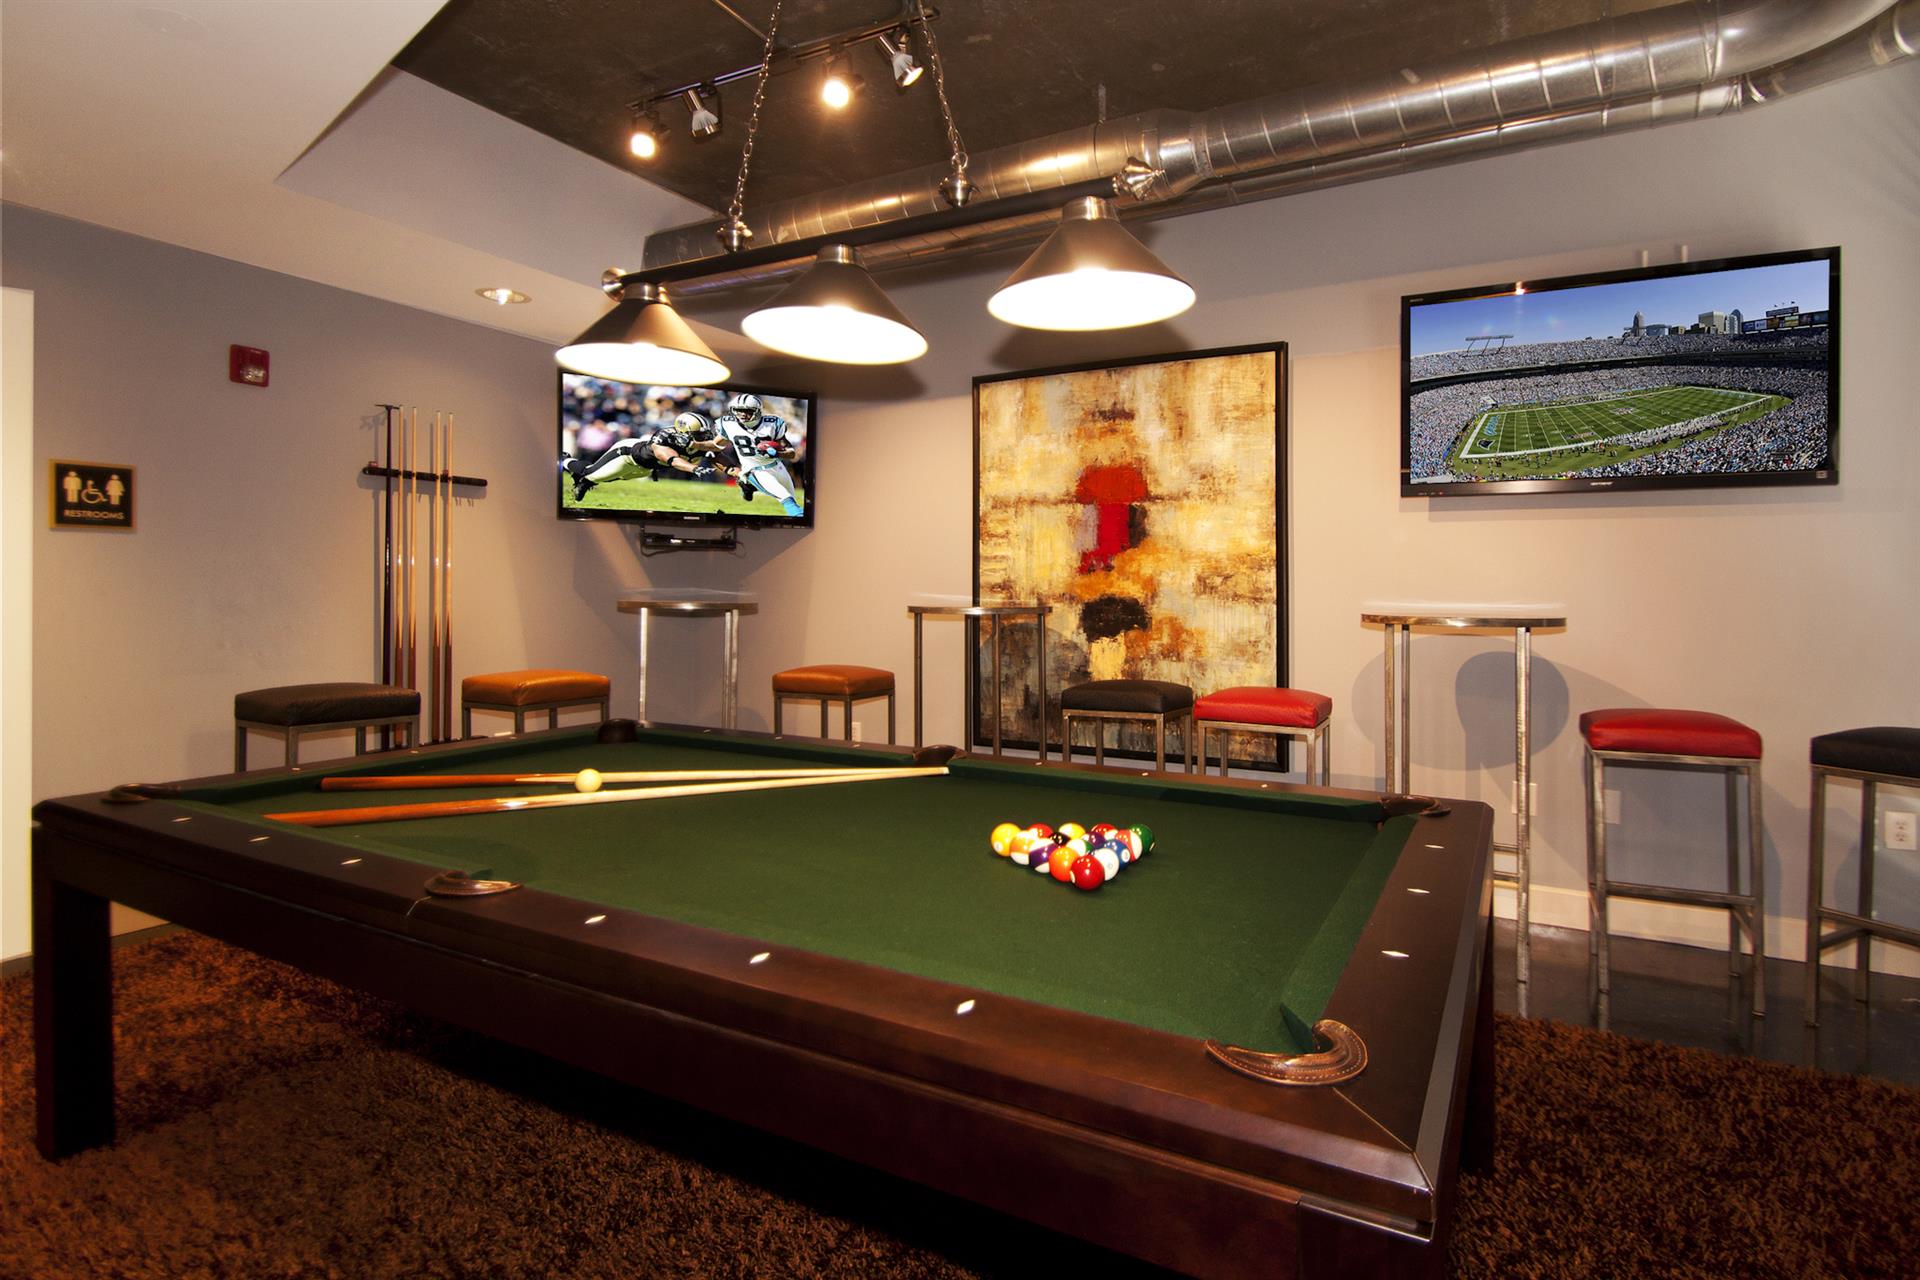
(626, 452)
(1689, 375)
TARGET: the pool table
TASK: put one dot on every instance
(851, 966)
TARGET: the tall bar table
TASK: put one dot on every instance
(972, 611)
(1459, 619)
(689, 602)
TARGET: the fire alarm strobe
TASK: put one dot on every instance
(247, 365)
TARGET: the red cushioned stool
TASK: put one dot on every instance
(1650, 737)
(1288, 713)
(834, 682)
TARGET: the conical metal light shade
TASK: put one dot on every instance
(836, 313)
(1090, 274)
(644, 340)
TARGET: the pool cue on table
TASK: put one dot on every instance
(430, 781)
(513, 804)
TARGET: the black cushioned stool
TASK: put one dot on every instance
(294, 709)
(1884, 755)
(1154, 700)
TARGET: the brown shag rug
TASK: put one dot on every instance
(272, 1124)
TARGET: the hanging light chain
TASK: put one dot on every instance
(736, 233)
(956, 188)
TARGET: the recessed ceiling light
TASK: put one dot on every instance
(502, 296)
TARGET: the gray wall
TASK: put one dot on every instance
(254, 559)
(1792, 609)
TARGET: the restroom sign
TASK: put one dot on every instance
(92, 495)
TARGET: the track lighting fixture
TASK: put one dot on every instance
(1090, 274)
(643, 339)
(836, 313)
(702, 119)
(899, 58)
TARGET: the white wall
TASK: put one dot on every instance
(16, 607)
(254, 560)
(1792, 609)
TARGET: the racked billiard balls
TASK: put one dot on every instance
(1002, 838)
(1088, 872)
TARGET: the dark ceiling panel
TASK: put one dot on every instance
(1016, 69)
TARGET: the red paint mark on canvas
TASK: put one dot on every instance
(1111, 491)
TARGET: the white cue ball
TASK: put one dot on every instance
(587, 780)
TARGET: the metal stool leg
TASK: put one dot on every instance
(1597, 872)
(1733, 870)
(1757, 872)
(1863, 950)
(1816, 857)
(823, 717)
(239, 748)
(776, 713)
(890, 718)
(293, 746)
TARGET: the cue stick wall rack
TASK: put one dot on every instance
(399, 565)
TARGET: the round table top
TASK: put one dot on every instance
(972, 608)
(1463, 616)
(688, 600)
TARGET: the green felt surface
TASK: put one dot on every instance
(1237, 926)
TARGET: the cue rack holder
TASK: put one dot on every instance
(416, 478)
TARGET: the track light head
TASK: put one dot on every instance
(906, 69)
(702, 119)
(644, 141)
(836, 85)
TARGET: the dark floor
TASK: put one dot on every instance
(1684, 995)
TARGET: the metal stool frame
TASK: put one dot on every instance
(1069, 714)
(520, 712)
(292, 733)
(1857, 927)
(1316, 736)
(1744, 910)
(845, 703)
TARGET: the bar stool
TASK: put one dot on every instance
(1665, 739)
(1285, 713)
(830, 683)
(1883, 755)
(521, 693)
(292, 710)
(1155, 701)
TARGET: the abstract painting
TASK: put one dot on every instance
(1142, 502)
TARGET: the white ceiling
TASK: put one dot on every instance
(272, 132)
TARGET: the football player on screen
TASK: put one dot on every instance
(648, 453)
(759, 441)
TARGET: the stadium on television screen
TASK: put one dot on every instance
(1705, 392)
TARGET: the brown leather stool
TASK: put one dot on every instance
(520, 692)
(295, 709)
(834, 682)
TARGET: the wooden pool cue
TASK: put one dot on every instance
(386, 575)
(433, 580)
(430, 781)
(446, 589)
(413, 503)
(455, 808)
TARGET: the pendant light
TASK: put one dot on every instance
(1090, 274)
(643, 339)
(836, 313)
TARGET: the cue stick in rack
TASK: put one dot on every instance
(455, 808)
(433, 582)
(413, 503)
(429, 781)
(446, 586)
(386, 575)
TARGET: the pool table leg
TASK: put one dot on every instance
(1477, 1135)
(72, 1015)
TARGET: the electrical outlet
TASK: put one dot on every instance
(1533, 799)
(1900, 833)
(856, 731)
